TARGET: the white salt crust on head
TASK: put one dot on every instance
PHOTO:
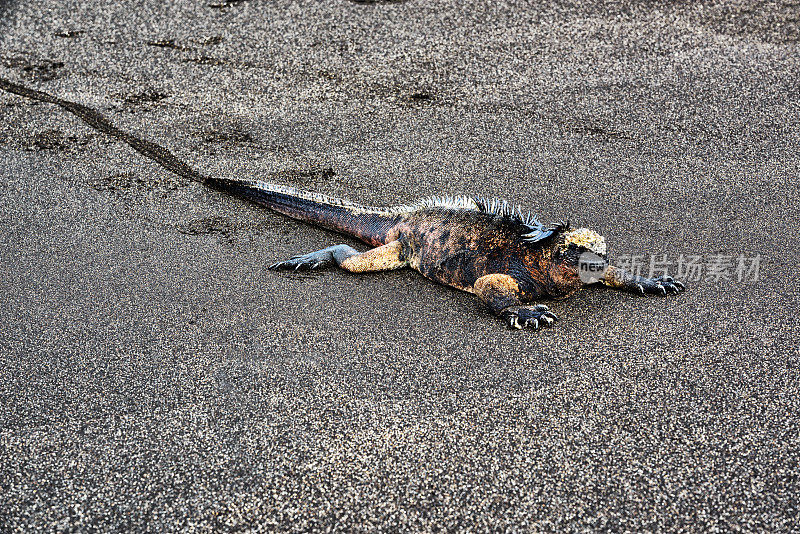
(588, 239)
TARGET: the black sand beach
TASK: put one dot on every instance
(155, 376)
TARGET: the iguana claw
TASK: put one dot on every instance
(529, 317)
(661, 285)
(305, 262)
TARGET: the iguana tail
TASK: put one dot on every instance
(368, 224)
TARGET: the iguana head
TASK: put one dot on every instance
(572, 245)
(583, 250)
(568, 259)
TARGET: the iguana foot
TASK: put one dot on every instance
(306, 262)
(661, 285)
(529, 317)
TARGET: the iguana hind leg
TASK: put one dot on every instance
(501, 293)
(383, 258)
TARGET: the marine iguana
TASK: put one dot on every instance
(483, 246)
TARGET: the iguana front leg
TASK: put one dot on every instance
(501, 293)
(619, 278)
(383, 258)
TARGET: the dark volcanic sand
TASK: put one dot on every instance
(155, 376)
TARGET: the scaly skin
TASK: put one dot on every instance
(507, 259)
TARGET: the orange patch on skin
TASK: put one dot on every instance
(499, 284)
(498, 291)
(382, 258)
